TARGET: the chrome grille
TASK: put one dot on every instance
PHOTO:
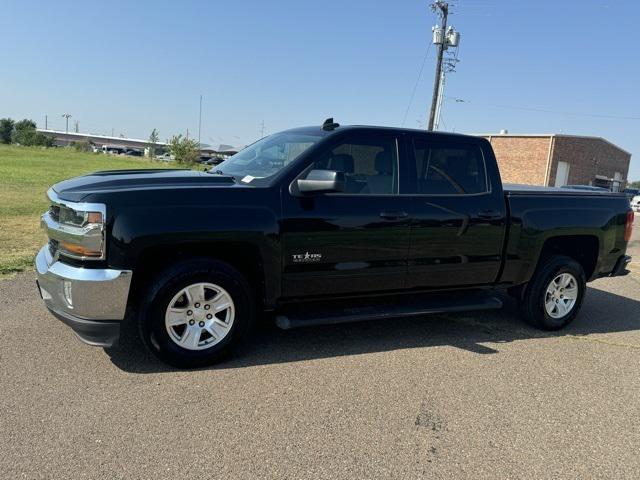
(54, 211)
(53, 247)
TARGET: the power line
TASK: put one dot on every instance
(576, 114)
(415, 87)
(541, 110)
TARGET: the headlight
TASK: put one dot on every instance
(78, 218)
(76, 230)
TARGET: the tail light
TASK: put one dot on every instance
(628, 227)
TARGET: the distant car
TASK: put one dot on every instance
(585, 187)
(165, 157)
(635, 203)
(133, 153)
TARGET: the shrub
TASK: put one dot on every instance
(185, 150)
(82, 146)
(24, 133)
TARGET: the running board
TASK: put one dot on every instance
(312, 314)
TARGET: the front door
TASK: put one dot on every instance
(353, 241)
(459, 213)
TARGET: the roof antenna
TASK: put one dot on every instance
(329, 124)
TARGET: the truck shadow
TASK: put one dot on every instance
(602, 312)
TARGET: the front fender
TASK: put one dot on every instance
(137, 229)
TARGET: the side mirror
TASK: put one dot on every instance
(322, 181)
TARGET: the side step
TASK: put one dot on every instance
(310, 314)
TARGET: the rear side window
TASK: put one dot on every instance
(449, 168)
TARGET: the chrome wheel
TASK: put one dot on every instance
(561, 295)
(199, 316)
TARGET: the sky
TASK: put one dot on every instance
(544, 66)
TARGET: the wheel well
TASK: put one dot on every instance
(582, 248)
(242, 256)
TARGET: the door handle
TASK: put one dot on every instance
(393, 214)
(490, 214)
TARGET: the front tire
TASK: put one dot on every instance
(553, 297)
(195, 313)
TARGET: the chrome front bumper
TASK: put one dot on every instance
(91, 301)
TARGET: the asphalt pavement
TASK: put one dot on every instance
(474, 395)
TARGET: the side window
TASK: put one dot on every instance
(452, 169)
(370, 164)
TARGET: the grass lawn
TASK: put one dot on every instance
(25, 175)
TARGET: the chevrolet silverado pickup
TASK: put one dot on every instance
(319, 225)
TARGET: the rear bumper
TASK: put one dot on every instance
(90, 301)
(620, 267)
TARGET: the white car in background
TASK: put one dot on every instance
(635, 203)
(165, 157)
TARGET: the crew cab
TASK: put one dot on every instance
(319, 225)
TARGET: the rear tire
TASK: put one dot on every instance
(195, 313)
(553, 297)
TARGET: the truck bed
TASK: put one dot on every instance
(518, 189)
(540, 213)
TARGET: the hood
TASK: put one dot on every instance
(76, 189)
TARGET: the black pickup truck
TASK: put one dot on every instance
(319, 225)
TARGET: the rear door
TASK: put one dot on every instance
(459, 213)
(354, 241)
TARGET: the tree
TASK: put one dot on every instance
(25, 133)
(6, 127)
(153, 143)
(25, 124)
(635, 184)
(185, 150)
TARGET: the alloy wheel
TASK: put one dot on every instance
(199, 316)
(561, 295)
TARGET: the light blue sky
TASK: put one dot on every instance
(541, 66)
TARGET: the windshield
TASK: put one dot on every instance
(267, 156)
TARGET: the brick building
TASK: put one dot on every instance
(556, 160)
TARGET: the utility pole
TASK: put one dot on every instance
(66, 116)
(436, 121)
(200, 121)
(442, 8)
(444, 38)
(77, 126)
(46, 123)
(262, 129)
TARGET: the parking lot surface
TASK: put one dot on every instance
(475, 395)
